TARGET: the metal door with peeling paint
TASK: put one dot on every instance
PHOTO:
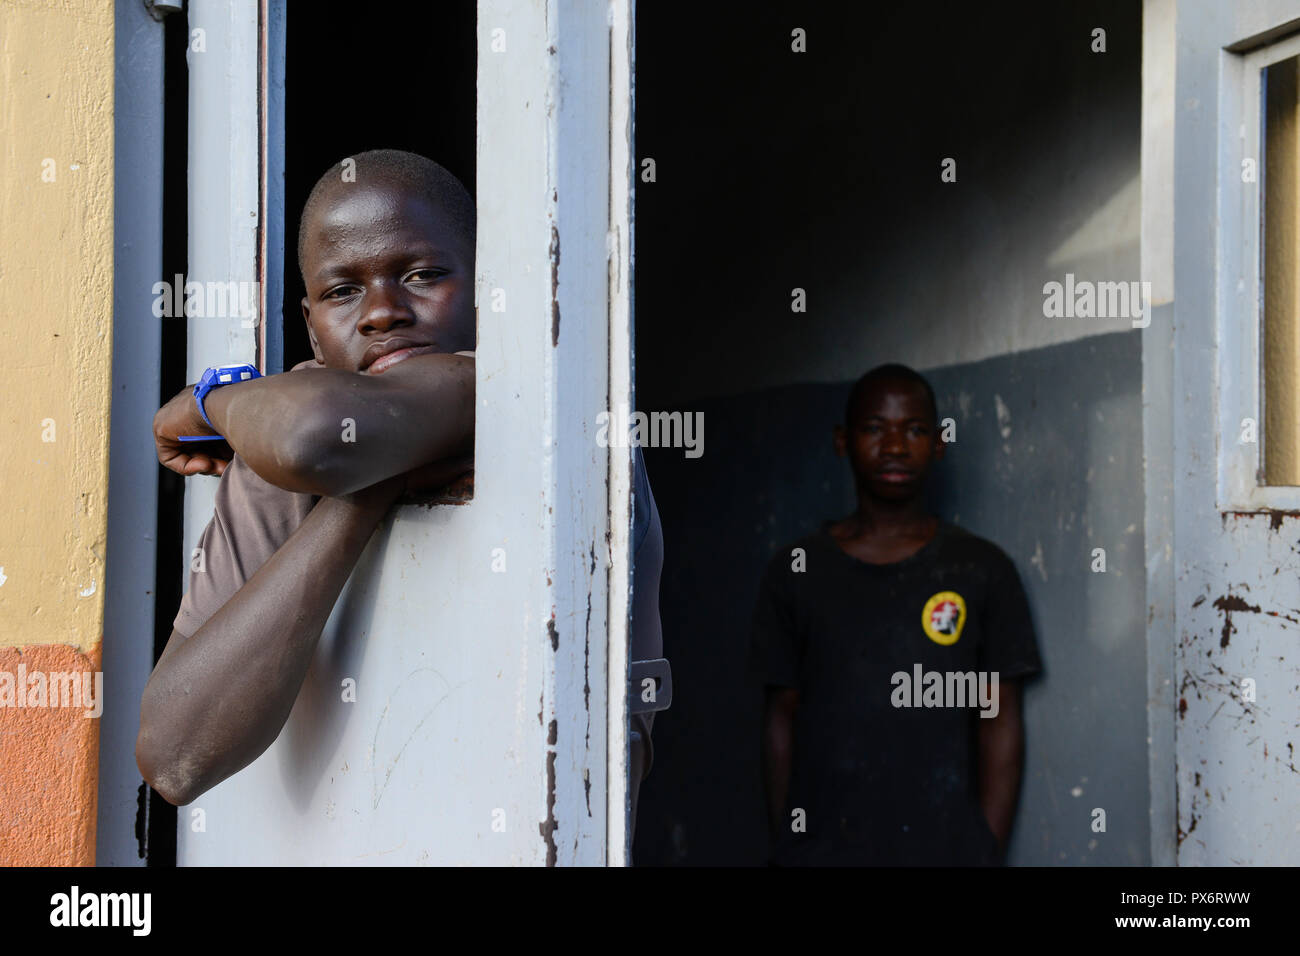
(1221, 542)
(490, 695)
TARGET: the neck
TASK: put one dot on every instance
(875, 516)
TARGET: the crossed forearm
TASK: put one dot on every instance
(216, 701)
(331, 432)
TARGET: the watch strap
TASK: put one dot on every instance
(214, 377)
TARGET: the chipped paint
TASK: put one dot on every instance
(459, 492)
(1037, 560)
(1004, 417)
(586, 670)
(554, 253)
(1228, 604)
(549, 826)
(963, 402)
(1275, 517)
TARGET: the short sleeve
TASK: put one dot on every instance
(776, 645)
(1009, 646)
(251, 519)
(205, 591)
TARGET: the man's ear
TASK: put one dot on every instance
(940, 446)
(841, 441)
(306, 315)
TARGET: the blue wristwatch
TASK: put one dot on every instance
(215, 377)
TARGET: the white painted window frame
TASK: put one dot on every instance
(1240, 283)
(224, 199)
(622, 179)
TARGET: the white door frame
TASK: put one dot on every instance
(551, 635)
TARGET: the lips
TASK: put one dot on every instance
(381, 350)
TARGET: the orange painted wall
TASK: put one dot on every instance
(49, 768)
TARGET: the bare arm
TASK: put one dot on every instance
(330, 432)
(1001, 759)
(216, 701)
(779, 707)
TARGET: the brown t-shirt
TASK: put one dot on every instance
(252, 518)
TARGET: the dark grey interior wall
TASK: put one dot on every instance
(1047, 463)
(821, 171)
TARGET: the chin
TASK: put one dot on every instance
(897, 492)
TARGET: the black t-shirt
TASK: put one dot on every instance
(882, 784)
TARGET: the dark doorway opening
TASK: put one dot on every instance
(408, 80)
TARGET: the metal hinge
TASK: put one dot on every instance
(160, 8)
(649, 686)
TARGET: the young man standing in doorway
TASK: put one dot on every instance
(862, 766)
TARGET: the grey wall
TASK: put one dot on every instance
(1047, 494)
(823, 173)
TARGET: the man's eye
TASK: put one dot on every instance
(427, 274)
(339, 292)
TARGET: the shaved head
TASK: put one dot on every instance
(894, 374)
(393, 168)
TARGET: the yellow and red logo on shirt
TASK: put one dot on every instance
(944, 617)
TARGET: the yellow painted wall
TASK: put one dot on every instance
(56, 310)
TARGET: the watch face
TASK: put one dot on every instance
(230, 374)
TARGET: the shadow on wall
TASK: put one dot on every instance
(1047, 464)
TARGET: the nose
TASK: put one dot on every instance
(385, 307)
(895, 443)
